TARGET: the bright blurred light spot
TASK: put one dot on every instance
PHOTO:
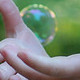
(41, 20)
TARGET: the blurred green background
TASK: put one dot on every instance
(67, 39)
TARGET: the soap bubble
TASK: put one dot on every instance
(41, 20)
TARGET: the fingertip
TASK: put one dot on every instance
(5, 51)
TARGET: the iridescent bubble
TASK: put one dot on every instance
(41, 20)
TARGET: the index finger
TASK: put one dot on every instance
(61, 67)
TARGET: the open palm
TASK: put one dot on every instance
(21, 39)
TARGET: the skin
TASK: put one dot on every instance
(6, 71)
(24, 53)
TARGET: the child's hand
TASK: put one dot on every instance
(18, 35)
(39, 67)
(36, 64)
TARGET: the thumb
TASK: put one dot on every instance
(15, 27)
(14, 24)
(12, 19)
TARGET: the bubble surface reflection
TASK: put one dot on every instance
(41, 20)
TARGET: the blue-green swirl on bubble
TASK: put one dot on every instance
(41, 20)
